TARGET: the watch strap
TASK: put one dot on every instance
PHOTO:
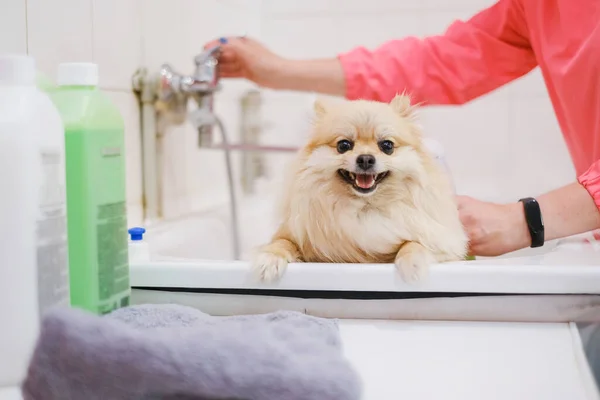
(535, 223)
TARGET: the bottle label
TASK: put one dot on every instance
(96, 199)
(52, 258)
(113, 265)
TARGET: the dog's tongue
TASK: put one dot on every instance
(365, 181)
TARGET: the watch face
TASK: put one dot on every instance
(537, 216)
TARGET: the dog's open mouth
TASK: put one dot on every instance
(362, 182)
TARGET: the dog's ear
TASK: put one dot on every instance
(320, 108)
(401, 105)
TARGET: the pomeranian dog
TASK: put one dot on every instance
(365, 190)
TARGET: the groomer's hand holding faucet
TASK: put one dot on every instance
(244, 57)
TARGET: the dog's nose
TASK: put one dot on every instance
(365, 161)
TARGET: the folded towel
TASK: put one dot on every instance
(176, 352)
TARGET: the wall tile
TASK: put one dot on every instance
(237, 18)
(117, 41)
(197, 22)
(375, 7)
(311, 8)
(287, 117)
(475, 5)
(530, 85)
(59, 31)
(295, 8)
(477, 146)
(436, 22)
(205, 21)
(539, 158)
(291, 38)
(365, 30)
(135, 214)
(13, 20)
(162, 34)
(172, 162)
(329, 35)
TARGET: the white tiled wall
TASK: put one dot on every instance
(500, 147)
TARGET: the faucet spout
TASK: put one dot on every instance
(207, 71)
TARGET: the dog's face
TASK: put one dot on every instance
(364, 146)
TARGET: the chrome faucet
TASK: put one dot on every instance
(175, 89)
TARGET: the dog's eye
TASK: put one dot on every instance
(344, 146)
(387, 146)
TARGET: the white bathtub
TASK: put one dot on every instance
(192, 264)
(207, 235)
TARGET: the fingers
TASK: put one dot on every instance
(230, 58)
(230, 66)
(462, 201)
(227, 70)
(232, 73)
(212, 43)
(227, 55)
(225, 40)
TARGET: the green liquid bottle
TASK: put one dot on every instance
(96, 202)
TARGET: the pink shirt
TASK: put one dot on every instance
(493, 48)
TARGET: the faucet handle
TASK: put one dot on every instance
(208, 56)
(206, 68)
(168, 82)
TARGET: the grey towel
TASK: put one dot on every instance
(173, 352)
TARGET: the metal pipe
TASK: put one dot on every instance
(252, 147)
(235, 232)
(147, 98)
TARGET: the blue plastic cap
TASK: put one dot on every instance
(223, 40)
(136, 233)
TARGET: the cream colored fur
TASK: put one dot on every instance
(410, 219)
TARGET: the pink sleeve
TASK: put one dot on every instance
(469, 60)
(590, 180)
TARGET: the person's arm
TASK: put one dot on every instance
(574, 208)
(470, 59)
(496, 229)
(569, 210)
(324, 76)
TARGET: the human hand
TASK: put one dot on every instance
(493, 229)
(243, 57)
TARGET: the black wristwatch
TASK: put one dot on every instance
(535, 222)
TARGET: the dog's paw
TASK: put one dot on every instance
(414, 266)
(269, 267)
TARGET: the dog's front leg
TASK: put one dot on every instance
(272, 259)
(413, 261)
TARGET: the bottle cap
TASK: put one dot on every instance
(136, 233)
(17, 69)
(77, 74)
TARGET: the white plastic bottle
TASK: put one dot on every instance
(139, 251)
(33, 241)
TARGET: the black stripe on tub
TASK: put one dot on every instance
(333, 294)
